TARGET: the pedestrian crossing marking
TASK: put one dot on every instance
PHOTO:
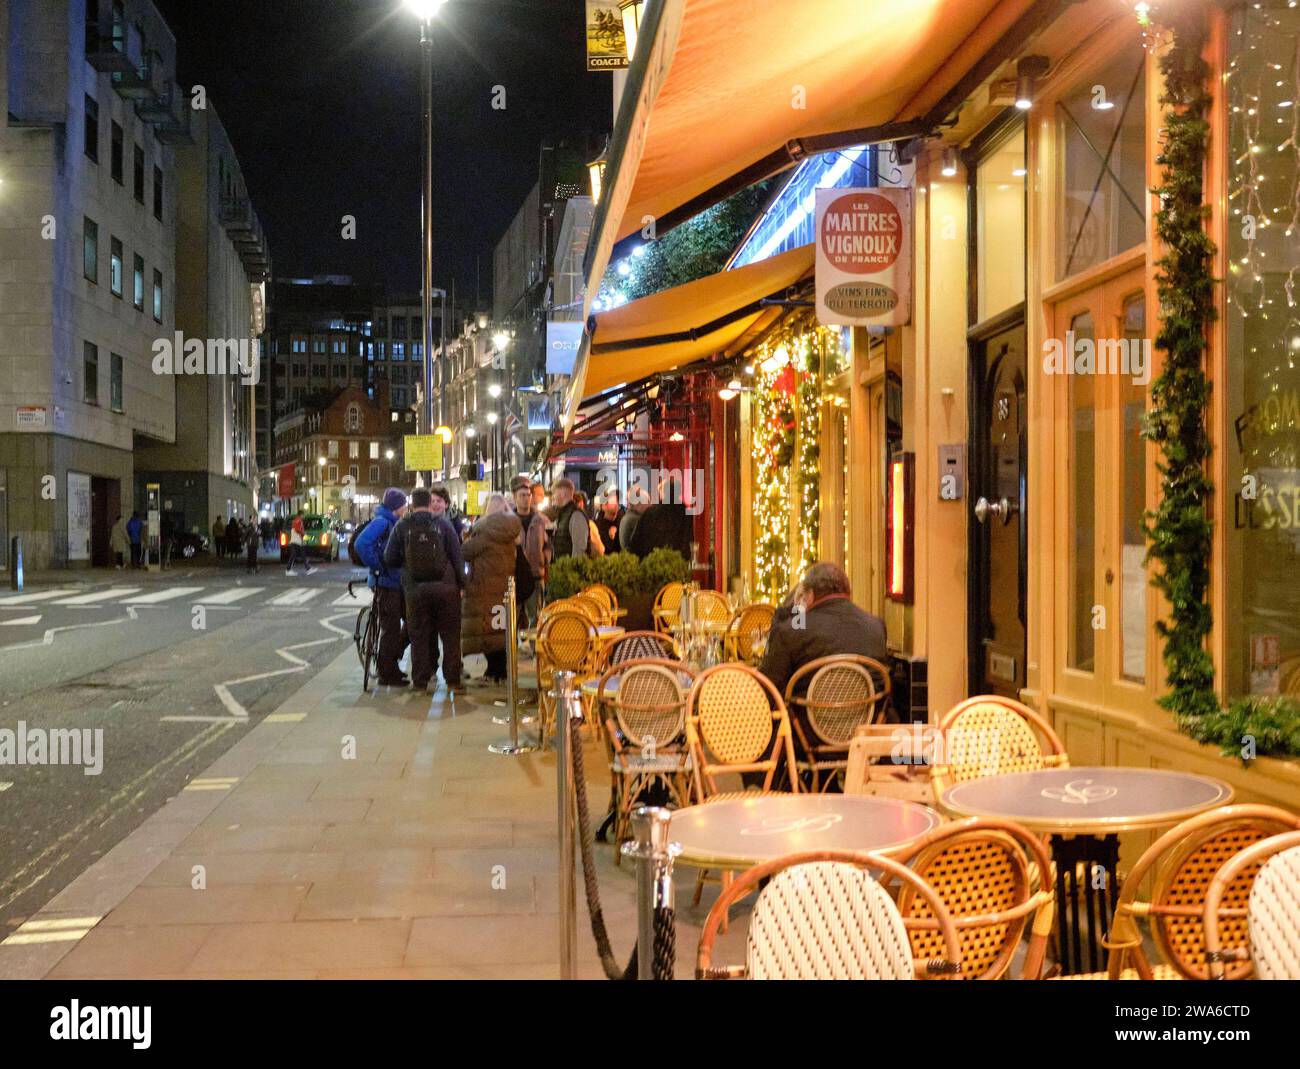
(27, 599)
(102, 595)
(20, 621)
(225, 597)
(349, 601)
(296, 597)
(162, 595)
(5, 786)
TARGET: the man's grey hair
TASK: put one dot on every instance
(825, 578)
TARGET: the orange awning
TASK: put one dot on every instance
(687, 323)
(727, 91)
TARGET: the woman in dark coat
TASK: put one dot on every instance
(490, 555)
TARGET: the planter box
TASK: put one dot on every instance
(640, 612)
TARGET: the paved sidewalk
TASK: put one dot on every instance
(422, 856)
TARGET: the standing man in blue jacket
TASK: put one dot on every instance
(392, 606)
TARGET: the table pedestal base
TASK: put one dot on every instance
(1086, 893)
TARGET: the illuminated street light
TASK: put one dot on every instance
(631, 12)
(495, 389)
(470, 432)
(500, 339)
(388, 454)
(492, 417)
(424, 9)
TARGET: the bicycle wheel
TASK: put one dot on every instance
(370, 650)
(358, 634)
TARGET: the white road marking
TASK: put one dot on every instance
(163, 595)
(101, 595)
(48, 639)
(27, 599)
(298, 664)
(5, 786)
(19, 621)
(354, 601)
(300, 596)
(235, 593)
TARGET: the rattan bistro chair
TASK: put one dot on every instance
(566, 642)
(821, 916)
(990, 735)
(668, 605)
(985, 871)
(836, 695)
(606, 597)
(592, 605)
(745, 630)
(711, 606)
(646, 734)
(634, 645)
(1272, 910)
(1185, 860)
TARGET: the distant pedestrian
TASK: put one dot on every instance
(595, 547)
(219, 537)
(387, 583)
(297, 545)
(572, 531)
(426, 548)
(664, 525)
(252, 542)
(167, 532)
(135, 532)
(637, 503)
(268, 535)
(234, 541)
(490, 556)
(607, 523)
(530, 554)
(118, 543)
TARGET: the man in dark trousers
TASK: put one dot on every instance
(426, 547)
(371, 543)
(607, 523)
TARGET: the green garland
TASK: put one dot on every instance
(810, 428)
(1179, 532)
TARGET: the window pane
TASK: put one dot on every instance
(137, 174)
(1133, 593)
(92, 129)
(1103, 164)
(115, 381)
(137, 283)
(115, 267)
(157, 193)
(1083, 521)
(90, 373)
(90, 250)
(116, 157)
(157, 295)
(1000, 221)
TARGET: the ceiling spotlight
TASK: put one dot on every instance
(726, 394)
(748, 369)
(1019, 172)
(735, 385)
(1028, 70)
(949, 162)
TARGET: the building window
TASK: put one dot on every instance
(157, 295)
(332, 473)
(1000, 226)
(90, 249)
(90, 373)
(115, 381)
(318, 345)
(354, 472)
(399, 327)
(374, 450)
(92, 129)
(381, 326)
(137, 174)
(374, 474)
(417, 350)
(137, 283)
(116, 157)
(115, 266)
(333, 448)
(399, 350)
(158, 193)
(383, 350)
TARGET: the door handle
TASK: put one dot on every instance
(984, 508)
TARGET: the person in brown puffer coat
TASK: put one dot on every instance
(490, 553)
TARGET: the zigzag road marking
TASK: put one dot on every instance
(298, 665)
(48, 639)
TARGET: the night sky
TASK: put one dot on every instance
(322, 102)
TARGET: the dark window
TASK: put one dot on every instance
(117, 161)
(115, 381)
(137, 284)
(92, 128)
(90, 373)
(399, 327)
(92, 25)
(157, 193)
(138, 174)
(115, 267)
(157, 295)
(90, 250)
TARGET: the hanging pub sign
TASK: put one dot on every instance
(864, 258)
(606, 45)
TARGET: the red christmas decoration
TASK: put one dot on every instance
(786, 381)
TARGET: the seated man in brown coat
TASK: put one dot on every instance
(819, 620)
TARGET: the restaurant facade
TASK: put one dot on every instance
(985, 471)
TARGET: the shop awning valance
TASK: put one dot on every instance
(678, 326)
(724, 92)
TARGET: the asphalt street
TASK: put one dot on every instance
(161, 662)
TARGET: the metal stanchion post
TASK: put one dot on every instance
(568, 707)
(513, 745)
(654, 856)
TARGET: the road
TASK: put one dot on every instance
(162, 664)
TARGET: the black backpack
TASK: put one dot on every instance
(353, 555)
(426, 556)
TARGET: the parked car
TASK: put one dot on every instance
(319, 539)
(187, 543)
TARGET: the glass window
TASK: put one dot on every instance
(137, 173)
(333, 448)
(115, 381)
(374, 474)
(137, 282)
(115, 267)
(417, 350)
(354, 450)
(399, 327)
(399, 350)
(355, 472)
(1133, 593)
(90, 249)
(332, 473)
(90, 373)
(1083, 520)
(1103, 164)
(1263, 358)
(92, 128)
(374, 450)
(157, 295)
(1000, 224)
(116, 158)
(158, 193)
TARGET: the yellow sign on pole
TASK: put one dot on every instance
(423, 452)
(475, 492)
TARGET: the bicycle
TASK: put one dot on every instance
(366, 637)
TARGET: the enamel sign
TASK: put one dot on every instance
(864, 260)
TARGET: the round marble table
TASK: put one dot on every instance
(591, 687)
(1084, 810)
(736, 833)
